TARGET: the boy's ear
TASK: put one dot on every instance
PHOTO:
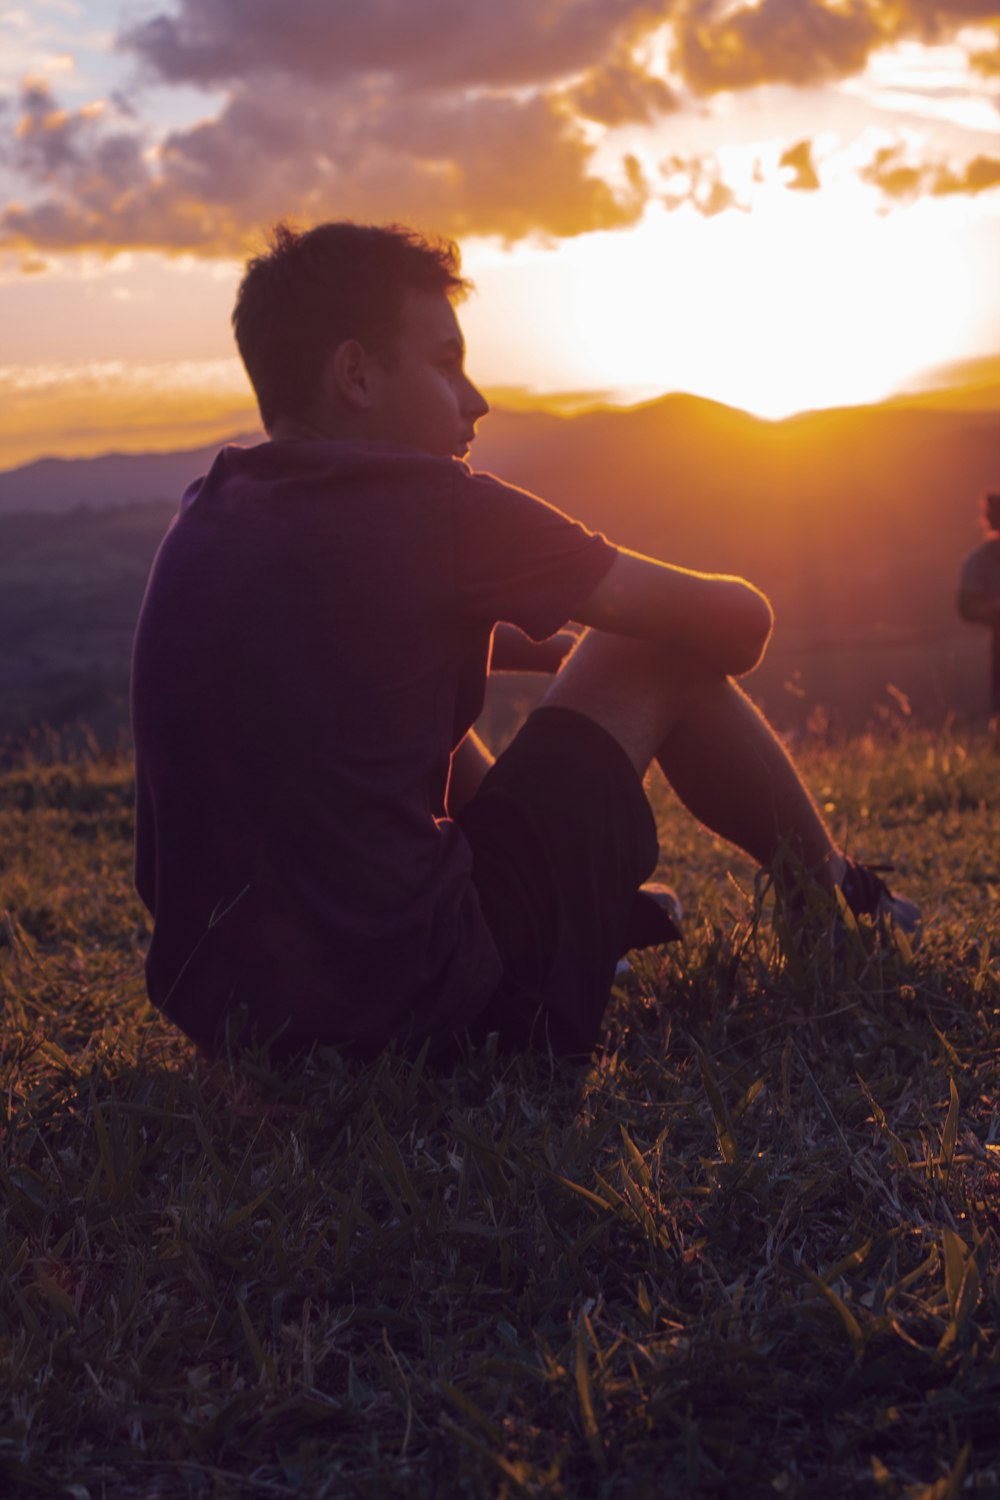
(347, 375)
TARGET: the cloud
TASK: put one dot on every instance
(798, 159)
(719, 44)
(87, 407)
(988, 60)
(722, 45)
(899, 177)
(978, 176)
(462, 115)
(502, 165)
(930, 20)
(698, 182)
(453, 113)
(95, 178)
(54, 145)
(434, 44)
(620, 92)
(776, 41)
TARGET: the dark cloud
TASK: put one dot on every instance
(891, 172)
(496, 165)
(473, 43)
(431, 43)
(776, 41)
(620, 92)
(90, 170)
(46, 141)
(798, 159)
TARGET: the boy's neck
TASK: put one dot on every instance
(306, 429)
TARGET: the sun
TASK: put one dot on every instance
(791, 307)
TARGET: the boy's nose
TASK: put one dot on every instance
(476, 403)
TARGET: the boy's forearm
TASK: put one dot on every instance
(723, 620)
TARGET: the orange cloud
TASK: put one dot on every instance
(897, 177)
(980, 174)
(619, 92)
(86, 408)
(776, 41)
(697, 181)
(988, 61)
(721, 45)
(798, 159)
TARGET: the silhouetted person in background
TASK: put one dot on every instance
(979, 590)
(323, 841)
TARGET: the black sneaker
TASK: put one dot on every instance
(655, 918)
(867, 895)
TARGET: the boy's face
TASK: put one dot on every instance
(424, 397)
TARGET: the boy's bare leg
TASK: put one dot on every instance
(717, 752)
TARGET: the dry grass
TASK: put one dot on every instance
(751, 1251)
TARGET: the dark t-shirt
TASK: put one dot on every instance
(312, 646)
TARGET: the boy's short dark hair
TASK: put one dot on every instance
(991, 511)
(312, 290)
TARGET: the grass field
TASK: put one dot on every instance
(752, 1250)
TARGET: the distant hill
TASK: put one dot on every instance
(857, 512)
(854, 521)
(60, 484)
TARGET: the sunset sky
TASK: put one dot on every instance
(780, 205)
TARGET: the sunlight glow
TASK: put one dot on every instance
(797, 305)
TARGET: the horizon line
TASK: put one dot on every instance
(933, 392)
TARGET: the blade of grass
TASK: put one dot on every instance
(723, 1124)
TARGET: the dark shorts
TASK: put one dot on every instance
(562, 838)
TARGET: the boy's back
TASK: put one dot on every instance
(312, 647)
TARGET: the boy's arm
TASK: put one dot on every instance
(513, 651)
(724, 620)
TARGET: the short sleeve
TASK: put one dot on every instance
(520, 559)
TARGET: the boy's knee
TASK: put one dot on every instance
(637, 691)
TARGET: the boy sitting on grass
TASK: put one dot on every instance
(326, 847)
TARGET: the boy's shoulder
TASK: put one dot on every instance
(310, 485)
(316, 465)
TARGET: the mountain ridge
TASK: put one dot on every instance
(525, 445)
